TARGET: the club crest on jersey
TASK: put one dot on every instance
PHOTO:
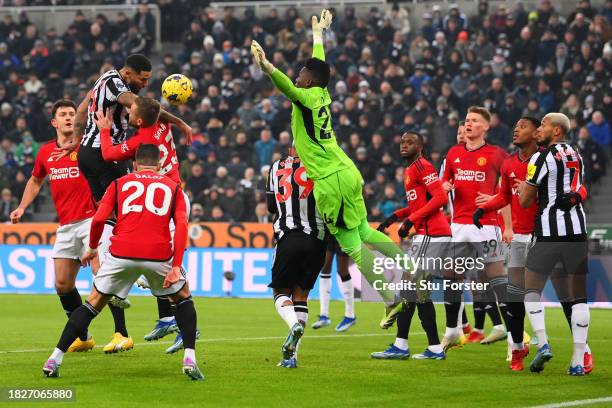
(73, 156)
(481, 161)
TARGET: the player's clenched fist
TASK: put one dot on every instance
(172, 277)
(16, 215)
(259, 56)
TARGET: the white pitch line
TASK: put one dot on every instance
(575, 403)
(229, 339)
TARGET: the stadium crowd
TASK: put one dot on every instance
(387, 77)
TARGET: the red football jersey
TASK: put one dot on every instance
(425, 198)
(470, 172)
(69, 188)
(159, 134)
(144, 202)
(514, 170)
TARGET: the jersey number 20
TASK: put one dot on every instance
(139, 190)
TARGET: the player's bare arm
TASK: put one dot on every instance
(166, 116)
(508, 233)
(29, 194)
(527, 194)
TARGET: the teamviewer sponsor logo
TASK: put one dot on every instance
(470, 175)
(64, 173)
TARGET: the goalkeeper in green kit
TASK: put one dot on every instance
(337, 182)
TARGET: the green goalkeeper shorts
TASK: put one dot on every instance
(339, 199)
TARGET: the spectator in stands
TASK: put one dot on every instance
(599, 130)
(594, 156)
(8, 204)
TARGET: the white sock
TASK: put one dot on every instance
(450, 332)
(166, 319)
(436, 348)
(535, 311)
(580, 331)
(348, 291)
(57, 355)
(587, 349)
(401, 344)
(189, 353)
(287, 313)
(324, 290)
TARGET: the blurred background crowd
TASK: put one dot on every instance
(387, 78)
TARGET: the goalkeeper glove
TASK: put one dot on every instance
(319, 25)
(476, 217)
(386, 223)
(566, 201)
(259, 56)
(405, 228)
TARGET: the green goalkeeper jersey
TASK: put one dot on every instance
(315, 140)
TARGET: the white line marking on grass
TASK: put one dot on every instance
(226, 339)
(575, 403)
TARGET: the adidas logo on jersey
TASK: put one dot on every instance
(457, 160)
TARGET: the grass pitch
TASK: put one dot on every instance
(240, 346)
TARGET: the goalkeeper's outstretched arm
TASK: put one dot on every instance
(318, 26)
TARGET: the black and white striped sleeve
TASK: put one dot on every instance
(116, 87)
(537, 168)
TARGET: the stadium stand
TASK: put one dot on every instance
(388, 75)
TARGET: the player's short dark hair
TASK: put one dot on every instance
(534, 121)
(419, 136)
(138, 63)
(319, 70)
(147, 154)
(148, 110)
(62, 103)
(482, 111)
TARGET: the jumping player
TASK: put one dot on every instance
(337, 181)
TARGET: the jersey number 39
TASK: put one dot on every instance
(285, 183)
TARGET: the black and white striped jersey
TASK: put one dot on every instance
(291, 189)
(451, 194)
(555, 171)
(104, 95)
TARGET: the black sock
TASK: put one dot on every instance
(493, 312)
(187, 320)
(70, 302)
(404, 319)
(500, 287)
(479, 315)
(567, 311)
(78, 323)
(427, 314)
(119, 318)
(516, 312)
(164, 307)
(452, 304)
(464, 318)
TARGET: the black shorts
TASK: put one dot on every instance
(572, 253)
(333, 246)
(99, 173)
(297, 261)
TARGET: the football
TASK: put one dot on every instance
(176, 89)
